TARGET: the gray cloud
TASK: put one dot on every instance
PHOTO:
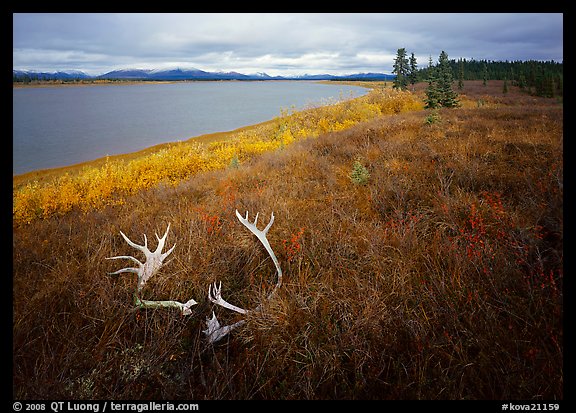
(282, 43)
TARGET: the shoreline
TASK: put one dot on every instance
(56, 84)
(44, 174)
(38, 85)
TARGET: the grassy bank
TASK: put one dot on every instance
(436, 273)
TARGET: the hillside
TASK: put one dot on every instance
(435, 271)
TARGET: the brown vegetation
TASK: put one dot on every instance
(439, 277)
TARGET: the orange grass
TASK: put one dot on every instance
(439, 278)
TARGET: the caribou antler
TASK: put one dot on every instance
(154, 261)
(261, 235)
(147, 269)
(216, 298)
(214, 330)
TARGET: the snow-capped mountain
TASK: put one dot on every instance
(126, 74)
(64, 74)
(188, 73)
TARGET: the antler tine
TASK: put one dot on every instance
(168, 252)
(215, 295)
(143, 248)
(265, 231)
(125, 257)
(129, 269)
(252, 225)
(162, 241)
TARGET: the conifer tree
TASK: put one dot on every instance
(521, 81)
(447, 97)
(432, 96)
(505, 87)
(461, 75)
(413, 74)
(439, 92)
(400, 68)
(484, 74)
(548, 86)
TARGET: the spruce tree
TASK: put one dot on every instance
(413, 74)
(432, 96)
(484, 74)
(447, 97)
(400, 68)
(461, 75)
(521, 81)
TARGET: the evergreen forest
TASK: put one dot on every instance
(540, 78)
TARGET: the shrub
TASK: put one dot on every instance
(359, 174)
(433, 117)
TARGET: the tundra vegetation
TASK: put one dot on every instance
(422, 258)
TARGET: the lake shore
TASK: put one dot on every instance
(41, 175)
(51, 84)
(45, 174)
(105, 82)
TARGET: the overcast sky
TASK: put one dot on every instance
(278, 44)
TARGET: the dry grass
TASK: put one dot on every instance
(440, 278)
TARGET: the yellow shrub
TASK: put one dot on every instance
(26, 203)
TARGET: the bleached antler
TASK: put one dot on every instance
(214, 330)
(153, 263)
(261, 235)
(216, 298)
(146, 270)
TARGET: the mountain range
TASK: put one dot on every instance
(185, 74)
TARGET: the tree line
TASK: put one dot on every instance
(541, 78)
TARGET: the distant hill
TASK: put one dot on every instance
(62, 75)
(367, 76)
(185, 74)
(126, 74)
